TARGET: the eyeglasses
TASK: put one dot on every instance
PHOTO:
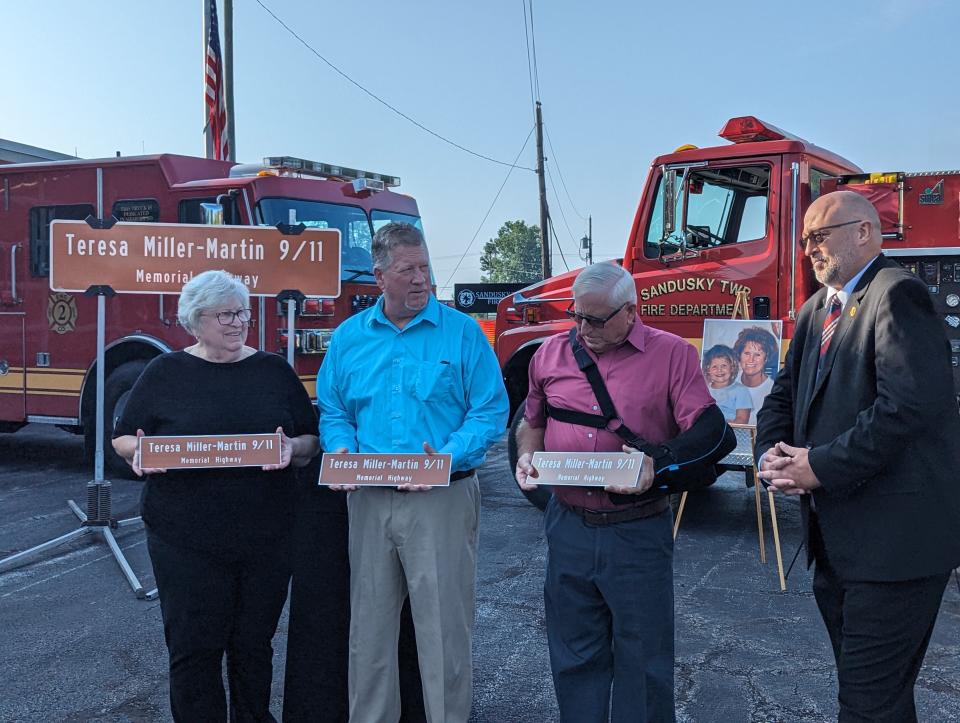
(592, 320)
(818, 236)
(226, 318)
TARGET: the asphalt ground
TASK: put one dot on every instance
(75, 645)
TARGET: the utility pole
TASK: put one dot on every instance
(228, 76)
(544, 213)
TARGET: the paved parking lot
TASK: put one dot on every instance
(77, 646)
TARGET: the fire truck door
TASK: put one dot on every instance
(12, 389)
(723, 239)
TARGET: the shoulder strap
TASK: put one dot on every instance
(589, 367)
(597, 421)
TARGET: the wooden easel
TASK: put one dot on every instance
(741, 307)
(741, 310)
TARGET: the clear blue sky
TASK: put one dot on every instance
(620, 82)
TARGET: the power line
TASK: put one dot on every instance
(380, 100)
(492, 204)
(533, 43)
(525, 265)
(447, 257)
(553, 187)
(553, 157)
(559, 247)
(526, 37)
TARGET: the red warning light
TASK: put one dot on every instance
(748, 129)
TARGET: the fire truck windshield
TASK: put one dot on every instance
(356, 229)
(714, 206)
(382, 218)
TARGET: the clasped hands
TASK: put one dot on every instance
(405, 487)
(787, 469)
(526, 471)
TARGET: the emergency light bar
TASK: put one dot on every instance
(326, 170)
(748, 129)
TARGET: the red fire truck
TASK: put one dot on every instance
(48, 339)
(732, 222)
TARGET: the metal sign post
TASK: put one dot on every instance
(291, 297)
(97, 519)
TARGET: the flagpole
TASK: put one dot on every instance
(228, 76)
(208, 139)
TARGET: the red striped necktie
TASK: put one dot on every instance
(830, 326)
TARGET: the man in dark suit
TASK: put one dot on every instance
(862, 422)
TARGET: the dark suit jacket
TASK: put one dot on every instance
(882, 427)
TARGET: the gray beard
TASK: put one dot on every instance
(832, 274)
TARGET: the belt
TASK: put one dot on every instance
(603, 518)
(462, 474)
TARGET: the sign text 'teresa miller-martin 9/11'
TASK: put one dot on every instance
(160, 258)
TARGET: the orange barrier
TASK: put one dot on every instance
(488, 326)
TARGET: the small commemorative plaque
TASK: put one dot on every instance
(215, 450)
(385, 470)
(587, 469)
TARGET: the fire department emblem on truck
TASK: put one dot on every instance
(62, 313)
(932, 196)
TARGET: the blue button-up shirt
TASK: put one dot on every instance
(387, 390)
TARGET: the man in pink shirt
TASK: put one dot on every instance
(609, 586)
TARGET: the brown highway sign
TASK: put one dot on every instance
(379, 470)
(587, 469)
(159, 258)
(219, 450)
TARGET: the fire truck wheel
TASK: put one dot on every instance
(116, 389)
(540, 496)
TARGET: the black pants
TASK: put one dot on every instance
(216, 603)
(879, 632)
(315, 686)
(608, 598)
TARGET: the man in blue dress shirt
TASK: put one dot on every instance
(410, 375)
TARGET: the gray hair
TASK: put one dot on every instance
(608, 280)
(206, 291)
(389, 237)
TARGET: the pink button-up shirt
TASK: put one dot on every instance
(653, 378)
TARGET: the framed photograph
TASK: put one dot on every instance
(740, 358)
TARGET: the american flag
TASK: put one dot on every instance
(217, 146)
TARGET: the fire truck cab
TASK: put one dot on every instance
(48, 339)
(714, 221)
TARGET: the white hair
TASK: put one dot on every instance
(611, 281)
(206, 291)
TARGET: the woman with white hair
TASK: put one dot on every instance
(219, 538)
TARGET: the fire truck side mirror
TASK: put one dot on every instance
(227, 201)
(669, 201)
(221, 213)
(212, 214)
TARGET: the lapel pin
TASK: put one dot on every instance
(853, 311)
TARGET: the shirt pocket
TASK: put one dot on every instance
(434, 382)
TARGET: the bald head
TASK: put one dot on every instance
(842, 233)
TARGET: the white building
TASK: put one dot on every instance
(11, 152)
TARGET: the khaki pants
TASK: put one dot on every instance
(423, 544)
